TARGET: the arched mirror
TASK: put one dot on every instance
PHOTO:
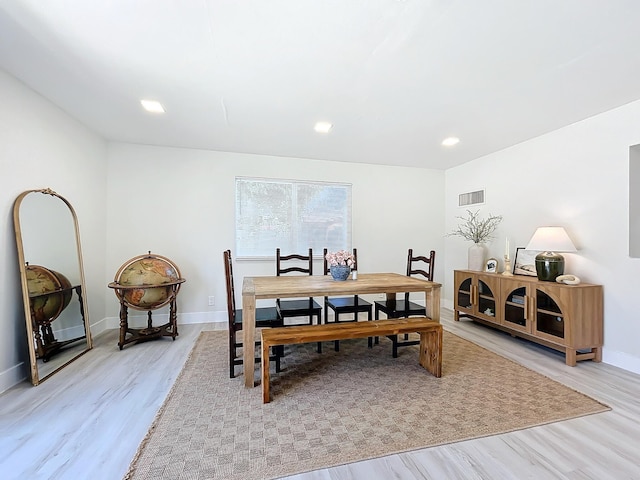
(52, 276)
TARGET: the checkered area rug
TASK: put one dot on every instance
(339, 407)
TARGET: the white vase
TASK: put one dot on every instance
(477, 253)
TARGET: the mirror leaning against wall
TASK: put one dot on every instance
(52, 277)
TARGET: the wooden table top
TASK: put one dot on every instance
(325, 285)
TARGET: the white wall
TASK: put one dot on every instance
(576, 177)
(180, 203)
(41, 146)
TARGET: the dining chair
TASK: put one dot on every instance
(265, 317)
(299, 307)
(346, 305)
(401, 308)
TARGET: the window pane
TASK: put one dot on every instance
(263, 217)
(322, 218)
(292, 216)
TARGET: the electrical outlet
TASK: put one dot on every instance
(212, 301)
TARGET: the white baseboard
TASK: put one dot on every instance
(12, 376)
(100, 327)
(137, 321)
(621, 360)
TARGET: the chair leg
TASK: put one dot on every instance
(232, 353)
(394, 341)
(370, 339)
(276, 352)
(336, 343)
(319, 343)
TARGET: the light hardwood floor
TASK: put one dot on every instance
(88, 420)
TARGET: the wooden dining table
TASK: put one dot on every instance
(259, 288)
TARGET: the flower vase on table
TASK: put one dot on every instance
(340, 272)
(340, 264)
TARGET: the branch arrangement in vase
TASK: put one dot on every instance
(475, 228)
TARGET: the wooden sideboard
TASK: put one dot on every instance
(568, 318)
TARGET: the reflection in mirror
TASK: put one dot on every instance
(50, 258)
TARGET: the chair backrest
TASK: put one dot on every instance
(231, 297)
(421, 265)
(296, 265)
(327, 266)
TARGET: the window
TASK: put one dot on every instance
(291, 215)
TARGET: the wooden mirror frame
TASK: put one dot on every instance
(69, 350)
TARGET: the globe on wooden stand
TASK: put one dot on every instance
(147, 282)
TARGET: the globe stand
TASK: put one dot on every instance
(169, 329)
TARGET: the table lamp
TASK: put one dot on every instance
(549, 241)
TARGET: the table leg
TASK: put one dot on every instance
(432, 299)
(248, 338)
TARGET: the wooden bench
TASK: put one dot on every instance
(430, 339)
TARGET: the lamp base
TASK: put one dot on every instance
(549, 266)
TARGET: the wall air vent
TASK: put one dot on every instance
(471, 198)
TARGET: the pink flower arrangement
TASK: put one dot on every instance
(341, 257)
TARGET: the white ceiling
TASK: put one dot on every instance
(394, 77)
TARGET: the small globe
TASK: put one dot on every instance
(41, 280)
(154, 274)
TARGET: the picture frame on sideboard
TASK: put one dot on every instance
(491, 266)
(525, 262)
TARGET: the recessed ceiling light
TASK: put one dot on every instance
(450, 141)
(323, 127)
(152, 106)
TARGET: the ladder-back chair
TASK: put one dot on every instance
(400, 308)
(265, 317)
(298, 307)
(351, 305)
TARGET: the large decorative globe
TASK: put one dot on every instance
(43, 284)
(154, 274)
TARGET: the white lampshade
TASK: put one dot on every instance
(551, 239)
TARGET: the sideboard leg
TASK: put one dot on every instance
(570, 357)
(597, 352)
